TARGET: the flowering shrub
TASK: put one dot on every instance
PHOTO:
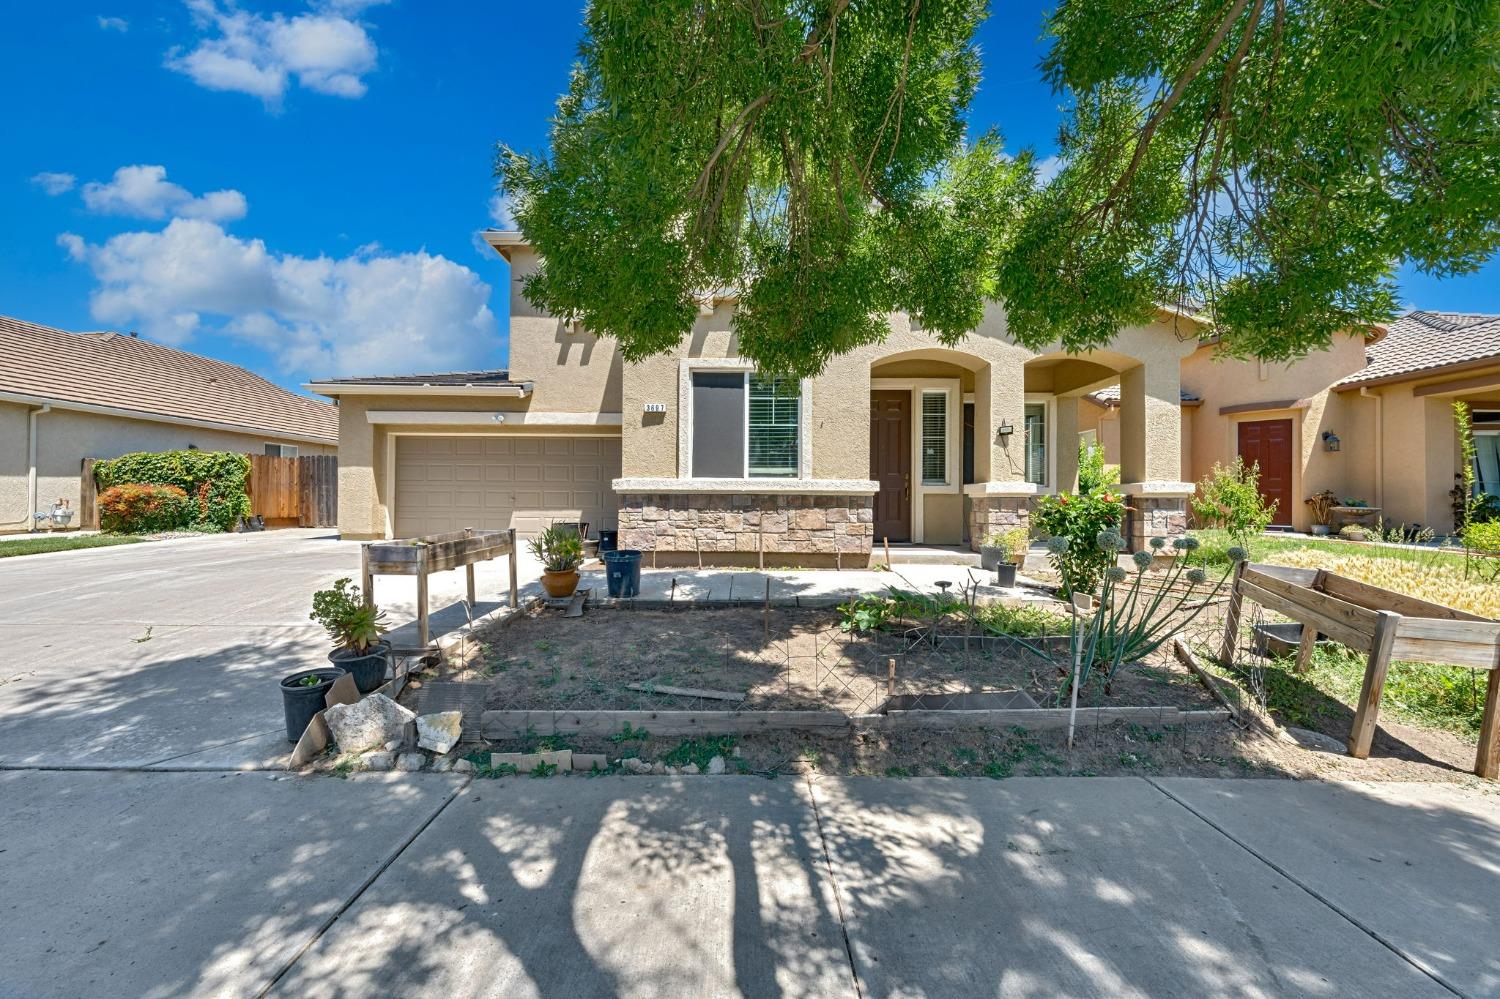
(1072, 525)
(143, 508)
(1229, 497)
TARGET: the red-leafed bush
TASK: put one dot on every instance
(141, 508)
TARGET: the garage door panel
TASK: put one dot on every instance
(449, 483)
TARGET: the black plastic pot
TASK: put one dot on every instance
(990, 558)
(299, 703)
(368, 669)
(608, 540)
(622, 572)
(1005, 574)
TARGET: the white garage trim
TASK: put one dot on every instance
(448, 418)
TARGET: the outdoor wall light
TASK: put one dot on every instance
(497, 417)
(1006, 429)
(1330, 441)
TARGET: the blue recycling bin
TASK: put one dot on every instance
(622, 572)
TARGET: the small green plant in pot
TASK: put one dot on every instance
(1003, 553)
(355, 628)
(560, 550)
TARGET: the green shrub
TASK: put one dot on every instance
(215, 480)
(1072, 525)
(1483, 537)
(1014, 542)
(1093, 473)
(143, 508)
(1229, 498)
(1024, 622)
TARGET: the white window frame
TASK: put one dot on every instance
(685, 372)
(1048, 402)
(281, 450)
(921, 395)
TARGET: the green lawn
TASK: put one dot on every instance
(1216, 545)
(61, 543)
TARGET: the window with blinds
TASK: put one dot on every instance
(774, 421)
(934, 438)
(1036, 443)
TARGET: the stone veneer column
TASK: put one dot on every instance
(1155, 509)
(749, 529)
(991, 511)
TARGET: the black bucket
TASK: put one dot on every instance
(622, 572)
(608, 540)
(299, 703)
(368, 670)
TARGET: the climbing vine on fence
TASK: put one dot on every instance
(215, 481)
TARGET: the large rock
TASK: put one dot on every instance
(439, 732)
(367, 724)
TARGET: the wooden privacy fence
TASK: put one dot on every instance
(295, 492)
(285, 492)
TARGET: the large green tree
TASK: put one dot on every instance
(1264, 163)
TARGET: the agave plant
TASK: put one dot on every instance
(1132, 620)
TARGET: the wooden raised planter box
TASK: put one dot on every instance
(1382, 623)
(437, 553)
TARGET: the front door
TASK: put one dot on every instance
(1268, 443)
(890, 463)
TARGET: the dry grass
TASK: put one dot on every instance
(1432, 580)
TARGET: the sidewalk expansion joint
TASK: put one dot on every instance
(838, 896)
(1333, 906)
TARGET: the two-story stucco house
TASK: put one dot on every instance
(697, 459)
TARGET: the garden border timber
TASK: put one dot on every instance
(521, 723)
(1383, 624)
(436, 553)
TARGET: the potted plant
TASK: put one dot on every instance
(302, 697)
(1322, 505)
(560, 550)
(355, 628)
(1003, 552)
(1354, 532)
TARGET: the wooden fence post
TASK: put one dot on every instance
(1232, 617)
(515, 598)
(1487, 760)
(1376, 667)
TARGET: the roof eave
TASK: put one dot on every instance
(505, 241)
(519, 390)
(27, 399)
(1457, 367)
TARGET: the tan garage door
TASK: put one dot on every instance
(449, 483)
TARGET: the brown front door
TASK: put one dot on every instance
(1268, 443)
(890, 464)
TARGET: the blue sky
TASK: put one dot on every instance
(296, 186)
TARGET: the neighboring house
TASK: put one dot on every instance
(67, 396)
(694, 457)
(1370, 418)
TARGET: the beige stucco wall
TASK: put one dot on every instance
(1299, 391)
(573, 370)
(65, 438)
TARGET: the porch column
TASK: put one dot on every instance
(1066, 444)
(1000, 498)
(1151, 452)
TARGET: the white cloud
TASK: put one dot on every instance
(501, 211)
(54, 183)
(1048, 168)
(370, 312)
(143, 191)
(324, 50)
(113, 24)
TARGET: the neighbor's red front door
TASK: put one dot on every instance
(890, 463)
(1268, 443)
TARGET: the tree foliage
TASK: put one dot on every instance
(1263, 164)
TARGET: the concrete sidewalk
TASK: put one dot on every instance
(235, 884)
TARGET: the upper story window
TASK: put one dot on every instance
(745, 426)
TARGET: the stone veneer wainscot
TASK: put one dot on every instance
(781, 528)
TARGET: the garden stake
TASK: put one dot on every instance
(890, 680)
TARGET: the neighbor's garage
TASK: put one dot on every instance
(449, 483)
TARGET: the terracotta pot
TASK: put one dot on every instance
(560, 584)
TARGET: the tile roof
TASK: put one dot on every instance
(1419, 342)
(496, 377)
(1111, 394)
(121, 372)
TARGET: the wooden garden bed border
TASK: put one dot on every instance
(1381, 623)
(517, 724)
